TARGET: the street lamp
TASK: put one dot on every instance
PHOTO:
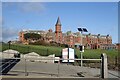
(81, 46)
(9, 42)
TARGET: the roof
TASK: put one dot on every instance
(32, 54)
(50, 34)
(10, 51)
(58, 22)
(64, 34)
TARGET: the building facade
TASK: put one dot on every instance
(90, 41)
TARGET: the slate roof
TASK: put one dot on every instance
(58, 22)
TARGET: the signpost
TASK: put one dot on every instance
(65, 54)
(81, 45)
(68, 53)
(71, 54)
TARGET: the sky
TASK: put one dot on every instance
(97, 17)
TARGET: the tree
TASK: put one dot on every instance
(32, 36)
(69, 32)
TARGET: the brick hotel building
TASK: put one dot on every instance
(90, 41)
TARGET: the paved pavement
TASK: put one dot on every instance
(40, 69)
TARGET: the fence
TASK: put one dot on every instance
(29, 66)
(112, 60)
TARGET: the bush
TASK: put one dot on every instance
(64, 45)
(41, 42)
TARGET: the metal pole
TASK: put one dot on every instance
(26, 74)
(81, 37)
(81, 51)
(81, 59)
(58, 67)
(9, 44)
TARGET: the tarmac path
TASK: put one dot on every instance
(51, 70)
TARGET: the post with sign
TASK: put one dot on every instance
(71, 55)
(81, 50)
(65, 54)
(81, 46)
(68, 53)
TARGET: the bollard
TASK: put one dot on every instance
(104, 67)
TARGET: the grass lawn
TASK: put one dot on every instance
(41, 50)
(47, 50)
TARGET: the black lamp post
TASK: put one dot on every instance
(81, 46)
(9, 42)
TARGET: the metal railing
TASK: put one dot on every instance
(103, 61)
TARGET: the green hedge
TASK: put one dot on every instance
(47, 50)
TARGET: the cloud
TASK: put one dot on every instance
(36, 7)
(9, 34)
(31, 7)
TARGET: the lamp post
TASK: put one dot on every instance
(9, 42)
(81, 47)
